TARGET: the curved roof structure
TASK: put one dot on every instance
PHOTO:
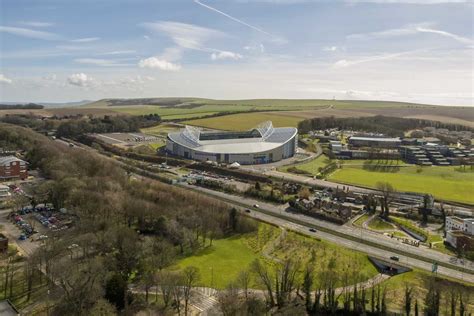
(262, 138)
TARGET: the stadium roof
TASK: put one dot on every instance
(262, 138)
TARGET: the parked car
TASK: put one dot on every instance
(312, 230)
(247, 211)
(395, 258)
(22, 237)
(256, 205)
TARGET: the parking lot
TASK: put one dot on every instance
(128, 139)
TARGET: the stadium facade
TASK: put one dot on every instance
(263, 144)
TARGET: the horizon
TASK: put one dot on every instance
(412, 51)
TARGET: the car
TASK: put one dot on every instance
(22, 237)
(395, 258)
(312, 230)
(247, 211)
(256, 205)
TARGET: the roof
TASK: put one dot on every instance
(383, 139)
(267, 138)
(8, 159)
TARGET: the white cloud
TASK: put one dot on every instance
(101, 62)
(146, 37)
(184, 35)
(258, 48)
(225, 55)
(50, 77)
(85, 40)
(156, 63)
(119, 52)
(80, 80)
(330, 48)
(410, 29)
(4, 79)
(37, 24)
(19, 31)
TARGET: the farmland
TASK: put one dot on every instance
(448, 183)
(244, 121)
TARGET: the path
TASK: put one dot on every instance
(270, 247)
(205, 299)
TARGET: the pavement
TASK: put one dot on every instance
(25, 247)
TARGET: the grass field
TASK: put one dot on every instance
(449, 183)
(222, 262)
(311, 166)
(244, 121)
(379, 224)
(361, 220)
(160, 130)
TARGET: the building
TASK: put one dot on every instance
(460, 232)
(11, 167)
(382, 142)
(263, 144)
(465, 225)
(336, 146)
(4, 192)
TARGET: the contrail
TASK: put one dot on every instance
(235, 19)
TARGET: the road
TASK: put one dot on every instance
(356, 239)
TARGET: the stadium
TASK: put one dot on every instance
(263, 144)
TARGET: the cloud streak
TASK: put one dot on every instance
(101, 62)
(225, 55)
(346, 63)
(29, 33)
(255, 28)
(411, 29)
(85, 40)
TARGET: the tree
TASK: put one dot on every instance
(432, 299)
(190, 277)
(103, 308)
(257, 186)
(387, 191)
(243, 281)
(116, 290)
(304, 193)
(408, 299)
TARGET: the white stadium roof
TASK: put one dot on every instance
(262, 138)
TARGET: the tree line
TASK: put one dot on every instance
(27, 106)
(126, 229)
(388, 125)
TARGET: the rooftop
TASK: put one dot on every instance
(262, 138)
(8, 160)
(383, 139)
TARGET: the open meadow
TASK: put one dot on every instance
(448, 183)
(221, 263)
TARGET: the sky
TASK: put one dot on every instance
(402, 50)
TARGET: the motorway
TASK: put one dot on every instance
(357, 239)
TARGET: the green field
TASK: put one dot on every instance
(379, 224)
(448, 183)
(244, 121)
(311, 166)
(222, 262)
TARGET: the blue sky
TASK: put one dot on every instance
(68, 50)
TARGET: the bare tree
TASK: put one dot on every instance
(388, 193)
(190, 277)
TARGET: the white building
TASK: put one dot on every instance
(4, 192)
(465, 225)
(263, 144)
